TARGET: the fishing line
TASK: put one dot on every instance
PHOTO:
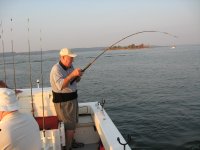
(3, 53)
(108, 48)
(30, 72)
(13, 54)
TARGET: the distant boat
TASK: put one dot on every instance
(173, 47)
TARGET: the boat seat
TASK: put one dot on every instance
(51, 122)
(85, 121)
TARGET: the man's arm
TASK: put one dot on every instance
(76, 73)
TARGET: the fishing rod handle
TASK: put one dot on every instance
(76, 77)
(82, 70)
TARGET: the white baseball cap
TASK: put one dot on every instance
(8, 100)
(67, 52)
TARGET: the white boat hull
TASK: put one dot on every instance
(94, 123)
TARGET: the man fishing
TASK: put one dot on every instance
(63, 79)
(65, 94)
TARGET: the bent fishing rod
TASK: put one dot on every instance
(108, 48)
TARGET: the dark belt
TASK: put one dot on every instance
(63, 97)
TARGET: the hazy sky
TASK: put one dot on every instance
(92, 23)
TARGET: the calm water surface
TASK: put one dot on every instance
(152, 94)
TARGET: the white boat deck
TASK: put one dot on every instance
(88, 147)
(86, 133)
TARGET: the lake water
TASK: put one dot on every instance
(152, 94)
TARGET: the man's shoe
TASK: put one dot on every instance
(63, 147)
(77, 144)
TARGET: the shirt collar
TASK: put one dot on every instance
(62, 65)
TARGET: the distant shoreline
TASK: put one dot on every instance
(38, 52)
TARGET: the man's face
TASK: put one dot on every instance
(67, 60)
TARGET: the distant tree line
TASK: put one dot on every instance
(132, 46)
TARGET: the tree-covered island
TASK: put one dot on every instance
(132, 46)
